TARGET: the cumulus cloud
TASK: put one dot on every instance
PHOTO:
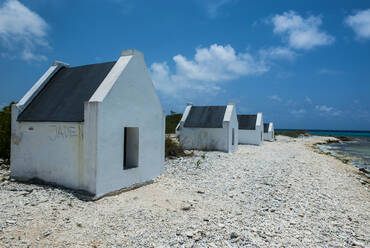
(324, 108)
(213, 7)
(273, 53)
(298, 112)
(275, 98)
(360, 23)
(22, 29)
(206, 71)
(328, 72)
(308, 100)
(328, 110)
(301, 33)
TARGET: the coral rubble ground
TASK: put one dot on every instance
(282, 193)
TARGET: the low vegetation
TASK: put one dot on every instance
(5, 130)
(292, 133)
(173, 148)
(171, 122)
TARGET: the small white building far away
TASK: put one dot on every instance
(268, 131)
(251, 129)
(209, 128)
(97, 128)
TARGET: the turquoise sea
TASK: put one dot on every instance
(358, 149)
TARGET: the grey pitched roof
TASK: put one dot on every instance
(205, 117)
(266, 127)
(247, 122)
(63, 97)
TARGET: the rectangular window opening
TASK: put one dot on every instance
(233, 137)
(131, 148)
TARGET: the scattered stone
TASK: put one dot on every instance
(233, 235)
(186, 207)
(189, 234)
(271, 193)
(11, 221)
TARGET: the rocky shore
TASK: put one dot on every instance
(282, 193)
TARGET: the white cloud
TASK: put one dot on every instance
(301, 33)
(213, 6)
(328, 110)
(275, 98)
(298, 112)
(324, 108)
(124, 6)
(28, 55)
(360, 23)
(206, 71)
(307, 99)
(277, 53)
(328, 72)
(22, 29)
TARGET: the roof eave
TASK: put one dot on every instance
(39, 85)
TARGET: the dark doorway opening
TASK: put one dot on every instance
(131, 148)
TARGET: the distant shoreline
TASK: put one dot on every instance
(354, 159)
(325, 130)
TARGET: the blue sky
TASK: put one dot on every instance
(303, 64)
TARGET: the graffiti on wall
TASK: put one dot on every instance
(62, 131)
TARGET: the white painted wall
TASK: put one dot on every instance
(213, 139)
(131, 101)
(270, 135)
(50, 151)
(253, 137)
(231, 121)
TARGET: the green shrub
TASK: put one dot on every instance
(292, 133)
(173, 148)
(5, 131)
(171, 122)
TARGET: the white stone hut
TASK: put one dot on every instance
(251, 129)
(268, 131)
(97, 128)
(209, 128)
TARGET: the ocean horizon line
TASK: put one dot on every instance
(323, 130)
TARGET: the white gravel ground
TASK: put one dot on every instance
(281, 194)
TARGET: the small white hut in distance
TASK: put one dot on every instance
(251, 129)
(209, 128)
(268, 131)
(97, 128)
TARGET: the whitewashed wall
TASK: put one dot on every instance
(270, 135)
(213, 139)
(253, 137)
(50, 151)
(250, 137)
(131, 101)
(232, 123)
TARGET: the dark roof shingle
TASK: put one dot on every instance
(205, 117)
(62, 98)
(247, 122)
